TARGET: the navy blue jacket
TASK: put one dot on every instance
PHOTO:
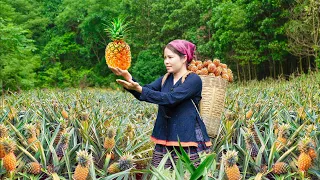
(176, 113)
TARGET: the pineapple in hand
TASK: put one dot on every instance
(118, 52)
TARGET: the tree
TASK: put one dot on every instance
(303, 30)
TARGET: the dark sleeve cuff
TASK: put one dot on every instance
(144, 93)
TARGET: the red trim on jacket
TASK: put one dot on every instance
(176, 143)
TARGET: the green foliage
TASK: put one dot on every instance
(148, 67)
(17, 61)
(255, 38)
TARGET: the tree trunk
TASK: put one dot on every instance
(249, 70)
(238, 72)
(244, 73)
(317, 61)
(270, 68)
(281, 68)
(309, 64)
(274, 69)
(300, 64)
(255, 71)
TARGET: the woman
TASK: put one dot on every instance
(177, 117)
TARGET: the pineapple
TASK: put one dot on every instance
(114, 168)
(304, 160)
(250, 144)
(311, 151)
(3, 131)
(62, 130)
(31, 134)
(249, 114)
(63, 145)
(109, 141)
(230, 159)
(117, 52)
(301, 113)
(130, 131)
(64, 114)
(9, 160)
(38, 127)
(283, 135)
(251, 129)
(12, 113)
(82, 170)
(3, 135)
(280, 168)
(84, 116)
(126, 162)
(33, 168)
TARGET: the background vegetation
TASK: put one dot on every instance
(55, 43)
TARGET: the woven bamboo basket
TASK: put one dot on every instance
(212, 102)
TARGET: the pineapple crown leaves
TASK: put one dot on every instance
(84, 158)
(284, 130)
(311, 128)
(9, 145)
(129, 128)
(304, 144)
(3, 131)
(65, 138)
(117, 29)
(30, 129)
(251, 123)
(110, 132)
(126, 161)
(249, 137)
(229, 115)
(230, 158)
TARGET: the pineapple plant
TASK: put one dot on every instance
(63, 145)
(280, 168)
(304, 160)
(33, 168)
(109, 141)
(82, 170)
(9, 160)
(250, 144)
(283, 135)
(117, 52)
(231, 169)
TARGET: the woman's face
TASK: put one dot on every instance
(173, 62)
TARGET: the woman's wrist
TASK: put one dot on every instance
(139, 89)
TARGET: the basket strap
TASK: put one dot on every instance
(164, 78)
(196, 108)
(182, 80)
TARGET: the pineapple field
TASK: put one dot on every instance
(269, 130)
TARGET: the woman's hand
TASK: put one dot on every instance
(130, 85)
(124, 73)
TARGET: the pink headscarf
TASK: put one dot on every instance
(184, 47)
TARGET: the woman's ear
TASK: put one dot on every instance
(185, 59)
